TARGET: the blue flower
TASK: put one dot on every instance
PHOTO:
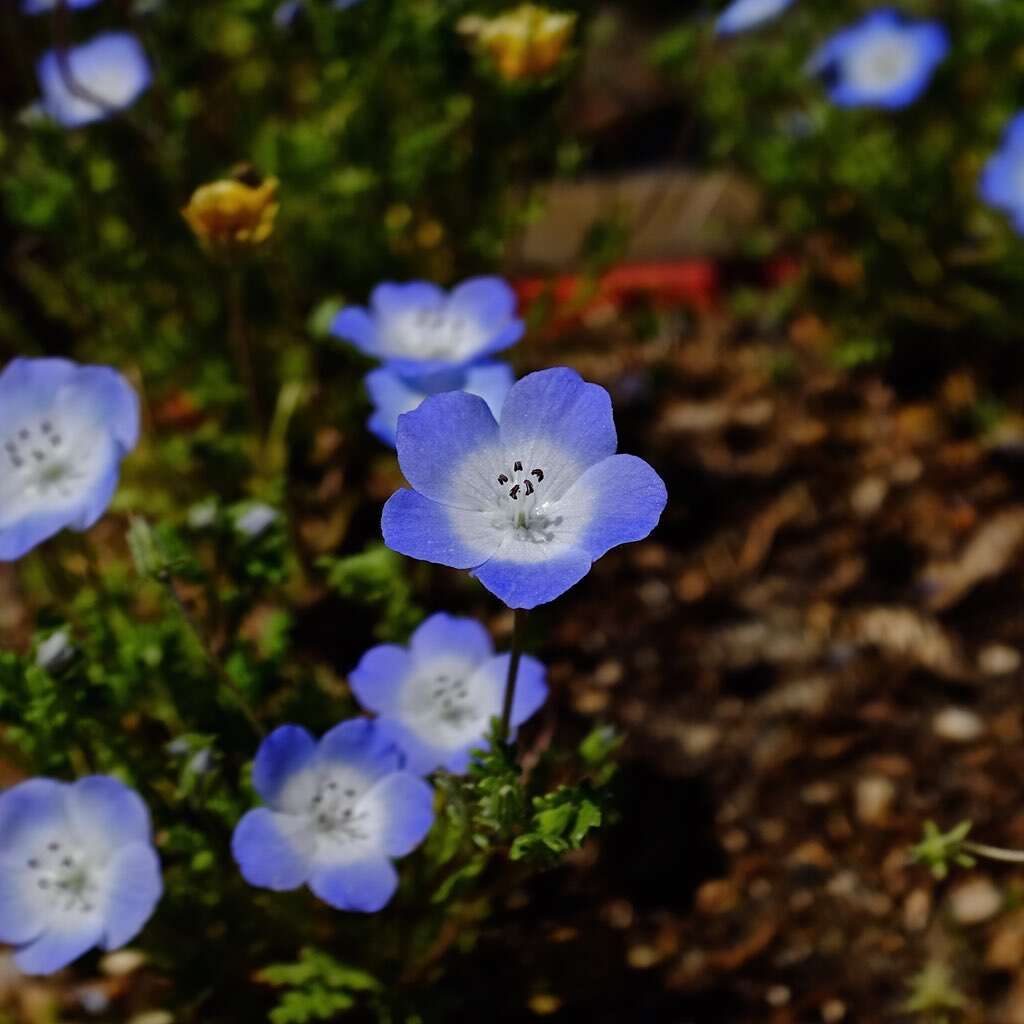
(337, 812)
(287, 12)
(1002, 180)
(418, 329)
(90, 82)
(527, 505)
(393, 395)
(42, 6)
(77, 869)
(743, 14)
(882, 61)
(437, 697)
(64, 430)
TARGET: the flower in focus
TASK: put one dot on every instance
(1002, 180)
(337, 812)
(233, 214)
(42, 6)
(418, 329)
(743, 14)
(392, 395)
(64, 430)
(529, 504)
(92, 81)
(437, 697)
(525, 43)
(77, 869)
(883, 61)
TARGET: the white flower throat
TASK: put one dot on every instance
(435, 334)
(64, 878)
(333, 808)
(525, 500)
(40, 459)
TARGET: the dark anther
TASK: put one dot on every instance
(502, 479)
(66, 862)
(38, 455)
(53, 846)
(350, 792)
(529, 487)
(518, 467)
(46, 427)
(538, 473)
(23, 434)
(514, 493)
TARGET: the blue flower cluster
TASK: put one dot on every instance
(431, 342)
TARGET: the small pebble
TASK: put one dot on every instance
(975, 900)
(957, 725)
(833, 1011)
(917, 909)
(874, 798)
(998, 659)
(778, 995)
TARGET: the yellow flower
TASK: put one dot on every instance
(523, 44)
(232, 214)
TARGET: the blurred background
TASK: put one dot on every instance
(809, 319)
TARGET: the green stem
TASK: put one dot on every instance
(518, 629)
(994, 852)
(222, 673)
(239, 336)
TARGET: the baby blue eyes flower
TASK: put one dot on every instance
(883, 61)
(437, 697)
(418, 329)
(1002, 180)
(743, 14)
(90, 82)
(337, 812)
(529, 504)
(77, 869)
(393, 395)
(64, 430)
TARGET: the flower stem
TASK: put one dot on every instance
(994, 852)
(518, 629)
(222, 673)
(239, 336)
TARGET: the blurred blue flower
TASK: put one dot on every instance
(437, 697)
(255, 519)
(64, 430)
(392, 395)
(337, 812)
(90, 82)
(743, 14)
(882, 61)
(1002, 180)
(527, 505)
(77, 869)
(419, 330)
(41, 6)
(287, 12)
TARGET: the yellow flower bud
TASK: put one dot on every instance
(231, 214)
(523, 44)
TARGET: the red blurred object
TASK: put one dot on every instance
(574, 296)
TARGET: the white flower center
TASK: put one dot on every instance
(883, 63)
(444, 704)
(39, 457)
(523, 506)
(63, 878)
(343, 824)
(433, 334)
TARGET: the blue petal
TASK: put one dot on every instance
(528, 584)
(378, 678)
(272, 850)
(60, 944)
(391, 299)
(355, 324)
(106, 814)
(492, 382)
(282, 755)
(31, 813)
(112, 68)
(628, 498)
(22, 535)
(114, 401)
(492, 303)
(418, 756)
(366, 886)
(409, 804)
(447, 634)
(420, 528)
(42, 6)
(557, 407)
(136, 888)
(743, 14)
(531, 686)
(22, 918)
(360, 744)
(391, 396)
(436, 441)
